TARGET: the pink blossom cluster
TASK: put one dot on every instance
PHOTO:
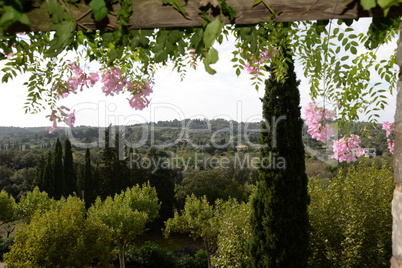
(139, 93)
(112, 81)
(254, 66)
(67, 117)
(78, 80)
(193, 58)
(317, 120)
(389, 128)
(9, 55)
(348, 148)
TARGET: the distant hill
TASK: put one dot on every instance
(198, 132)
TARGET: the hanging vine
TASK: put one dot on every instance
(137, 54)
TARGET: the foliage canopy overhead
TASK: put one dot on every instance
(124, 41)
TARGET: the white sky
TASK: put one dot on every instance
(200, 95)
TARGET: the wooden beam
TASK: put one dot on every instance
(152, 14)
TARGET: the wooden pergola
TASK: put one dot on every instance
(153, 14)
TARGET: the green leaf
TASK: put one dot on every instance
(336, 31)
(353, 50)
(63, 37)
(212, 32)
(9, 16)
(212, 56)
(208, 68)
(99, 9)
(256, 2)
(387, 4)
(178, 5)
(368, 4)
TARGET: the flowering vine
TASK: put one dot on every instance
(318, 121)
(348, 148)
(113, 84)
(389, 128)
(253, 66)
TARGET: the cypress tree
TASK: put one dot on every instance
(279, 220)
(48, 176)
(40, 169)
(120, 169)
(107, 168)
(88, 183)
(69, 171)
(59, 180)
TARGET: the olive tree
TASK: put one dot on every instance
(126, 214)
(61, 236)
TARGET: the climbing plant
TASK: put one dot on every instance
(59, 62)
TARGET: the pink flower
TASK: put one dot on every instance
(253, 66)
(140, 91)
(112, 82)
(388, 127)
(70, 119)
(53, 118)
(93, 78)
(10, 55)
(348, 148)
(63, 95)
(390, 146)
(317, 120)
(79, 79)
(193, 58)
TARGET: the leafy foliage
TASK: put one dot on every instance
(233, 236)
(150, 255)
(350, 217)
(200, 220)
(126, 214)
(341, 76)
(8, 212)
(223, 227)
(99, 9)
(34, 202)
(384, 4)
(139, 53)
(61, 236)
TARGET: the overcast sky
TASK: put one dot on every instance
(200, 95)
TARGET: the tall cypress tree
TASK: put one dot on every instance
(106, 170)
(47, 181)
(88, 185)
(40, 169)
(69, 171)
(59, 180)
(120, 169)
(279, 220)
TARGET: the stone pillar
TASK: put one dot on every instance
(396, 260)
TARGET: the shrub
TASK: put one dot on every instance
(5, 246)
(201, 259)
(150, 255)
(186, 261)
(350, 217)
